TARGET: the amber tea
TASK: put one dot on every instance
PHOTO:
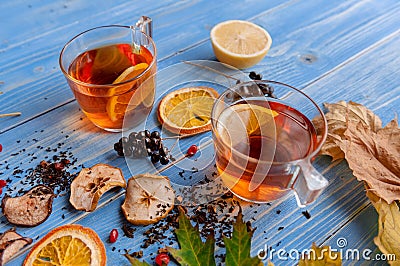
(116, 63)
(258, 130)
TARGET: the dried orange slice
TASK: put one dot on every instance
(239, 43)
(188, 110)
(121, 103)
(70, 244)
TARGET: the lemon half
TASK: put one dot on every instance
(121, 103)
(236, 123)
(239, 43)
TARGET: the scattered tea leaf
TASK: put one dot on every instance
(338, 117)
(374, 157)
(388, 238)
(193, 250)
(321, 257)
(238, 247)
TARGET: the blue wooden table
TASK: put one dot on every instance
(332, 50)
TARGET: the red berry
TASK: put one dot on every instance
(162, 259)
(1, 148)
(113, 236)
(3, 183)
(1, 190)
(192, 150)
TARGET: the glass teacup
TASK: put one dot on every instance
(265, 139)
(106, 67)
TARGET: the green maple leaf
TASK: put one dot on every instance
(238, 247)
(135, 262)
(193, 251)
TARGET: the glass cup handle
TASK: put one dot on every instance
(145, 24)
(309, 184)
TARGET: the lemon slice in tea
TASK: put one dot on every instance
(237, 122)
(68, 245)
(188, 110)
(239, 43)
(119, 104)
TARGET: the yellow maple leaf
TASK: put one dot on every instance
(321, 256)
(388, 238)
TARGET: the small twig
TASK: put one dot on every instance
(180, 136)
(173, 146)
(211, 69)
(10, 114)
(173, 137)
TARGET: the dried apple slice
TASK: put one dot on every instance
(91, 183)
(10, 243)
(30, 209)
(149, 198)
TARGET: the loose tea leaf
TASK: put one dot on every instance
(388, 238)
(238, 247)
(339, 115)
(193, 250)
(322, 256)
(374, 157)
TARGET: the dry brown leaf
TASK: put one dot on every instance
(373, 153)
(388, 238)
(339, 115)
(374, 157)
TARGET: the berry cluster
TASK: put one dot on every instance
(143, 144)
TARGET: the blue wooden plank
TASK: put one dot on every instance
(33, 65)
(54, 76)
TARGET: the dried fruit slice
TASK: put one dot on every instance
(188, 110)
(10, 243)
(239, 43)
(30, 209)
(149, 198)
(70, 244)
(91, 183)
